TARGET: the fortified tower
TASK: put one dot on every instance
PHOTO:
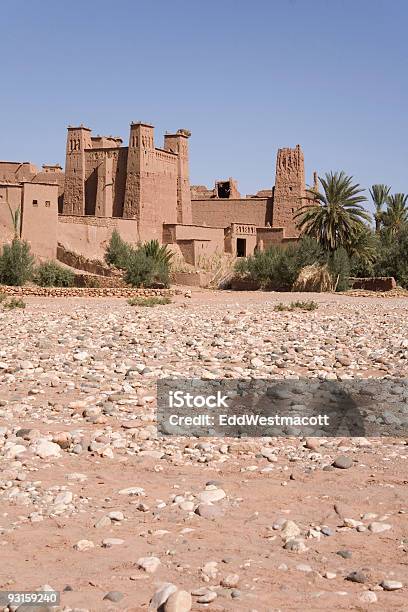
(178, 143)
(78, 139)
(140, 164)
(290, 189)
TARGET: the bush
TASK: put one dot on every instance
(308, 305)
(392, 258)
(339, 266)
(307, 252)
(278, 267)
(16, 263)
(92, 282)
(161, 254)
(118, 251)
(51, 274)
(149, 301)
(145, 271)
(14, 303)
(273, 268)
(145, 265)
(361, 268)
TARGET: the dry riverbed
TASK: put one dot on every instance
(95, 505)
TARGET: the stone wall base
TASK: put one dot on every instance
(118, 292)
(379, 283)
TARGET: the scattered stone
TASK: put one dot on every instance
(84, 545)
(109, 542)
(209, 511)
(63, 498)
(297, 546)
(230, 581)
(114, 596)
(290, 530)
(132, 491)
(377, 527)
(180, 601)
(346, 554)
(312, 444)
(149, 564)
(343, 462)
(330, 575)
(207, 597)
(391, 585)
(161, 595)
(357, 576)
(104, 521)
(368, 597)
(116, 515)
(211, 495)
(46, 449)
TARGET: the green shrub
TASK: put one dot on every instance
(307, 252)
(278, 267)
(16, 263)
(274, 268)
(339, 267)
(361, 268)
(14, 303)
(393, 257)
(51, 274)
(3, 296)
(308, 305)
(145, 265)
(149, 301)
(160, 253)
(118, 251)
(144, 271)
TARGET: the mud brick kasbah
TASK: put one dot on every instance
(144, 192)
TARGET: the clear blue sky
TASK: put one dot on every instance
(246, 77)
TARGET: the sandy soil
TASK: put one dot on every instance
(102, 420)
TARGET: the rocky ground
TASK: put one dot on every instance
(95, 505)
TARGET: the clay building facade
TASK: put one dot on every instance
(144, 192)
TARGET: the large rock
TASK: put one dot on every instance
(46, 449)
(180, 601)
(211, 495)
(161, 595)
(148, 564)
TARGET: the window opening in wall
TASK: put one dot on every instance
(224, 189)
(35, 202)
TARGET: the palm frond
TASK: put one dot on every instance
(337, 214)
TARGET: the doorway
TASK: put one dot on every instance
(241, 247)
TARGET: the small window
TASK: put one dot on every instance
(47, 203)
(35, 202)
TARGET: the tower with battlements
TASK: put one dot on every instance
(290, 189)
(78, 140)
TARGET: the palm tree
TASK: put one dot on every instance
(396, 215)
(363, 245)
(337, 214)
(379, 195)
